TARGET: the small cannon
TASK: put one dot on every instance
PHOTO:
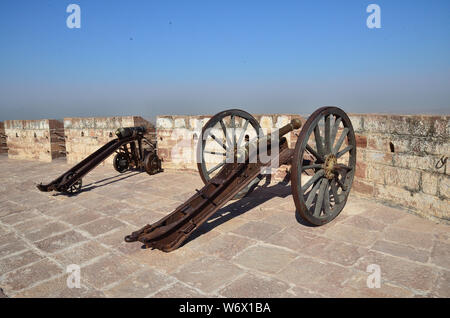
(323, 165)
(130, 153)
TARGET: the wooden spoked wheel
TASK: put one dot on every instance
(222, 137)
(323, 165)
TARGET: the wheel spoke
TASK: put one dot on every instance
(313, 179)
(314, 166)
(219, 142)
(340, 140)
(334, 190)
(314, 153)
(319, 144)
(337, 122)
(342, 167)
(319, 201)
(341, 184)
(342, 152)
(327, 134)
(233, 127)
(216, 167)
(312, 194)
(215, 153)
(241, 137)
(224, 128)
(326, 199)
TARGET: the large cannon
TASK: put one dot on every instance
(132, 148)
(323, 165)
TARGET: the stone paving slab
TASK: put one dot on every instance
(253, 247)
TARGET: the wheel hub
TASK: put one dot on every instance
(329, 165)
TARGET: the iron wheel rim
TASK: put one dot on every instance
(204, 172)
(326, 196)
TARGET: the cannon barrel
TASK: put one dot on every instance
(124, 132)
(256, 144)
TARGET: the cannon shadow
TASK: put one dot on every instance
(99, 183)
(260, 195)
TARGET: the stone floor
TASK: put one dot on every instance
(254, 247)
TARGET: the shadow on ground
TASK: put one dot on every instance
(257, 197)
(99, 184)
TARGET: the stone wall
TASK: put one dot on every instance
(170, 132)
(3, 145)
(399, 157)
(35, 139)
(402, 161)
(86, 135)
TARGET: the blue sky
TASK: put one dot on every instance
(195, 57)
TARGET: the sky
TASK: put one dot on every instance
(151, 58)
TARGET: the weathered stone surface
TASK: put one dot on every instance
(47, 230)
(60, 241)
(23, 277)
(9, 207)
(200, 237)
(353, 235)
(336, 252)
(384, 214)
(318, 276)
(80, 217)
(58, 288)
(300, 292)
(295, 255)
(400, 250)
(295, 239)
(365, 223)
(208, 273)
(178, 290)
(257, 230)
(266, 259)
(101, 226)
(440, 254)
(357, 287)
(107, 270)
(226, 246)
(34, 139)
(140, 284)
(399, 156)
(252, 286)
(12, 247)
(166, 262)
(402, 236)
(31, 224)
(18, 260)
(414, 223)
(401, 272)
(15, 218)
(442, 286)
(140, 217)
(81, 254)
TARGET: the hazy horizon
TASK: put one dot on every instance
(200, 57)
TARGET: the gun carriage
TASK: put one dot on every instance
(323, 165)
(133, 151)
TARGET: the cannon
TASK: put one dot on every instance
(132, 148)
(323, 165)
